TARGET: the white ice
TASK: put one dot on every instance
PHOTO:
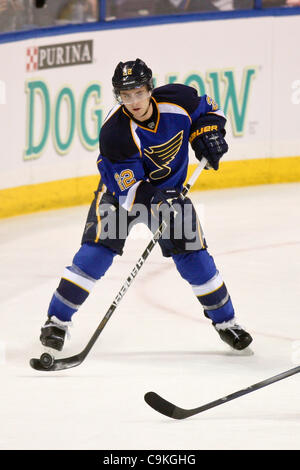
(158, 338)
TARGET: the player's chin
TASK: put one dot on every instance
(137, 113)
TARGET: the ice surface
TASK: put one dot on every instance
(158, 338)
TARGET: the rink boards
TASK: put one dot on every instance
(57, 91)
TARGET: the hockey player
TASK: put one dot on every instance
(143, 162)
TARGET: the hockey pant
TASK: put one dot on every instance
(98, 250)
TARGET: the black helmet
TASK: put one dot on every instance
(131, 74)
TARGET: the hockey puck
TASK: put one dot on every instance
(47, 360)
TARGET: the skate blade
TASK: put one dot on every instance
(243, 352)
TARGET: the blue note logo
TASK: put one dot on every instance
(162, 155)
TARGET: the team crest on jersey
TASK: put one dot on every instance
(162, 155)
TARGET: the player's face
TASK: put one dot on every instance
(137, 101)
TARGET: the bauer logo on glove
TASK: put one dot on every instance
(201, 131)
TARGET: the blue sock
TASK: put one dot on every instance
(199, 270)
(89, 264)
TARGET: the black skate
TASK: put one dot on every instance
(233, 334)
(53, 333)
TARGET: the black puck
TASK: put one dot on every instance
(47, 360)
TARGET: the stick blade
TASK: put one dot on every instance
(58, 364)
(159, 404)
(37, 365)
(164, 407)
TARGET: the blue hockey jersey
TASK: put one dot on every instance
(155, 150)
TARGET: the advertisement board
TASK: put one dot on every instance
(56, 91)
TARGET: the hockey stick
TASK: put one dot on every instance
(172, 411)
(47, 362)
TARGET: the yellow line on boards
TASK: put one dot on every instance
(45, 196)
(249, 172)
(80, 190)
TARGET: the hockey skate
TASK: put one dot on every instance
(54, 332)
(233, 334)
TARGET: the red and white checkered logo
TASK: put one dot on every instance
(31, 59)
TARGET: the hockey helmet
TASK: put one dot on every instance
(131, 74)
